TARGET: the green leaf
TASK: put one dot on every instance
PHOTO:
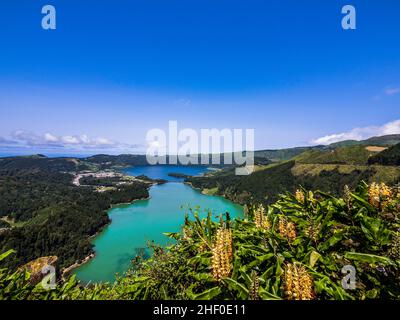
(164, 293)
(265, 295)
(375, 230)
(207, 294)
(173, 235)
(6, 254)
(207, 277)
(69, 284)
(369, 258)
(236, 286)
(338, 236)
(363, 202)
(209, 227)
(259, 260)
(314, 256)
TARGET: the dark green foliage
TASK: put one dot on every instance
(330, 233)
(388, 157)
(4, 224)
(23, 194)
(334, 181)
(146, 178)
(93, 181)
(289, 153)
(264, 186)
(41, 163)
(58, 216)
(284, 154)
(261, 186)
(123, 160)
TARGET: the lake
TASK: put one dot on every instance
(161, 172)
(135, 224)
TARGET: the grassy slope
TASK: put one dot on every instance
(386, 140)
(290, 153)
(390, 156)
(327, 170)
(267, 260)
(353, 155)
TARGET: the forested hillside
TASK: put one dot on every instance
(351, 155)
(386, 140)
(289, 153)
(388, 157)
(48, 214)
(42, 212)
(41, 163)
(295, 249)
(323, 169)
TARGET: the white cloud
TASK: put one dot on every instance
(103, 141)
(50, 138)
(71, 140)
(360, 133)
(85, 138)
(25, 139)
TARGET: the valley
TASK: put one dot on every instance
(62, 223)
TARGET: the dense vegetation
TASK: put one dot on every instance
(4, 224)
(290, 153)
(353, 155)
(44, 214)
(326, 168)
(108, 161)
(386, 140)
(24, 195)
(388, 157)
(299, 248)
(285, 154)
(265, 184)
(38, 163)
(93, 181)
(50, 215)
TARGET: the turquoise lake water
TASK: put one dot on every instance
(135, 224)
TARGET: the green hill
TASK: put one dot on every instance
(386, 140)
(266, 183)
(354, 155)
(50, 215)
(388, 157)
(37, 163)
(107, 161)
(294, 249)
(289, 153)
(284, 154)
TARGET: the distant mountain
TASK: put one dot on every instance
(387, 140)
(388, 157)
(265, 184)
(333, 153)
(285, 154)
(352, 155)
(41, 163)
(327, 168)
(107, 161)
(289, 153)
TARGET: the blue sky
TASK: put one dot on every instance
(112, 70)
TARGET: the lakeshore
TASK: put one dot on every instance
(137, 224)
